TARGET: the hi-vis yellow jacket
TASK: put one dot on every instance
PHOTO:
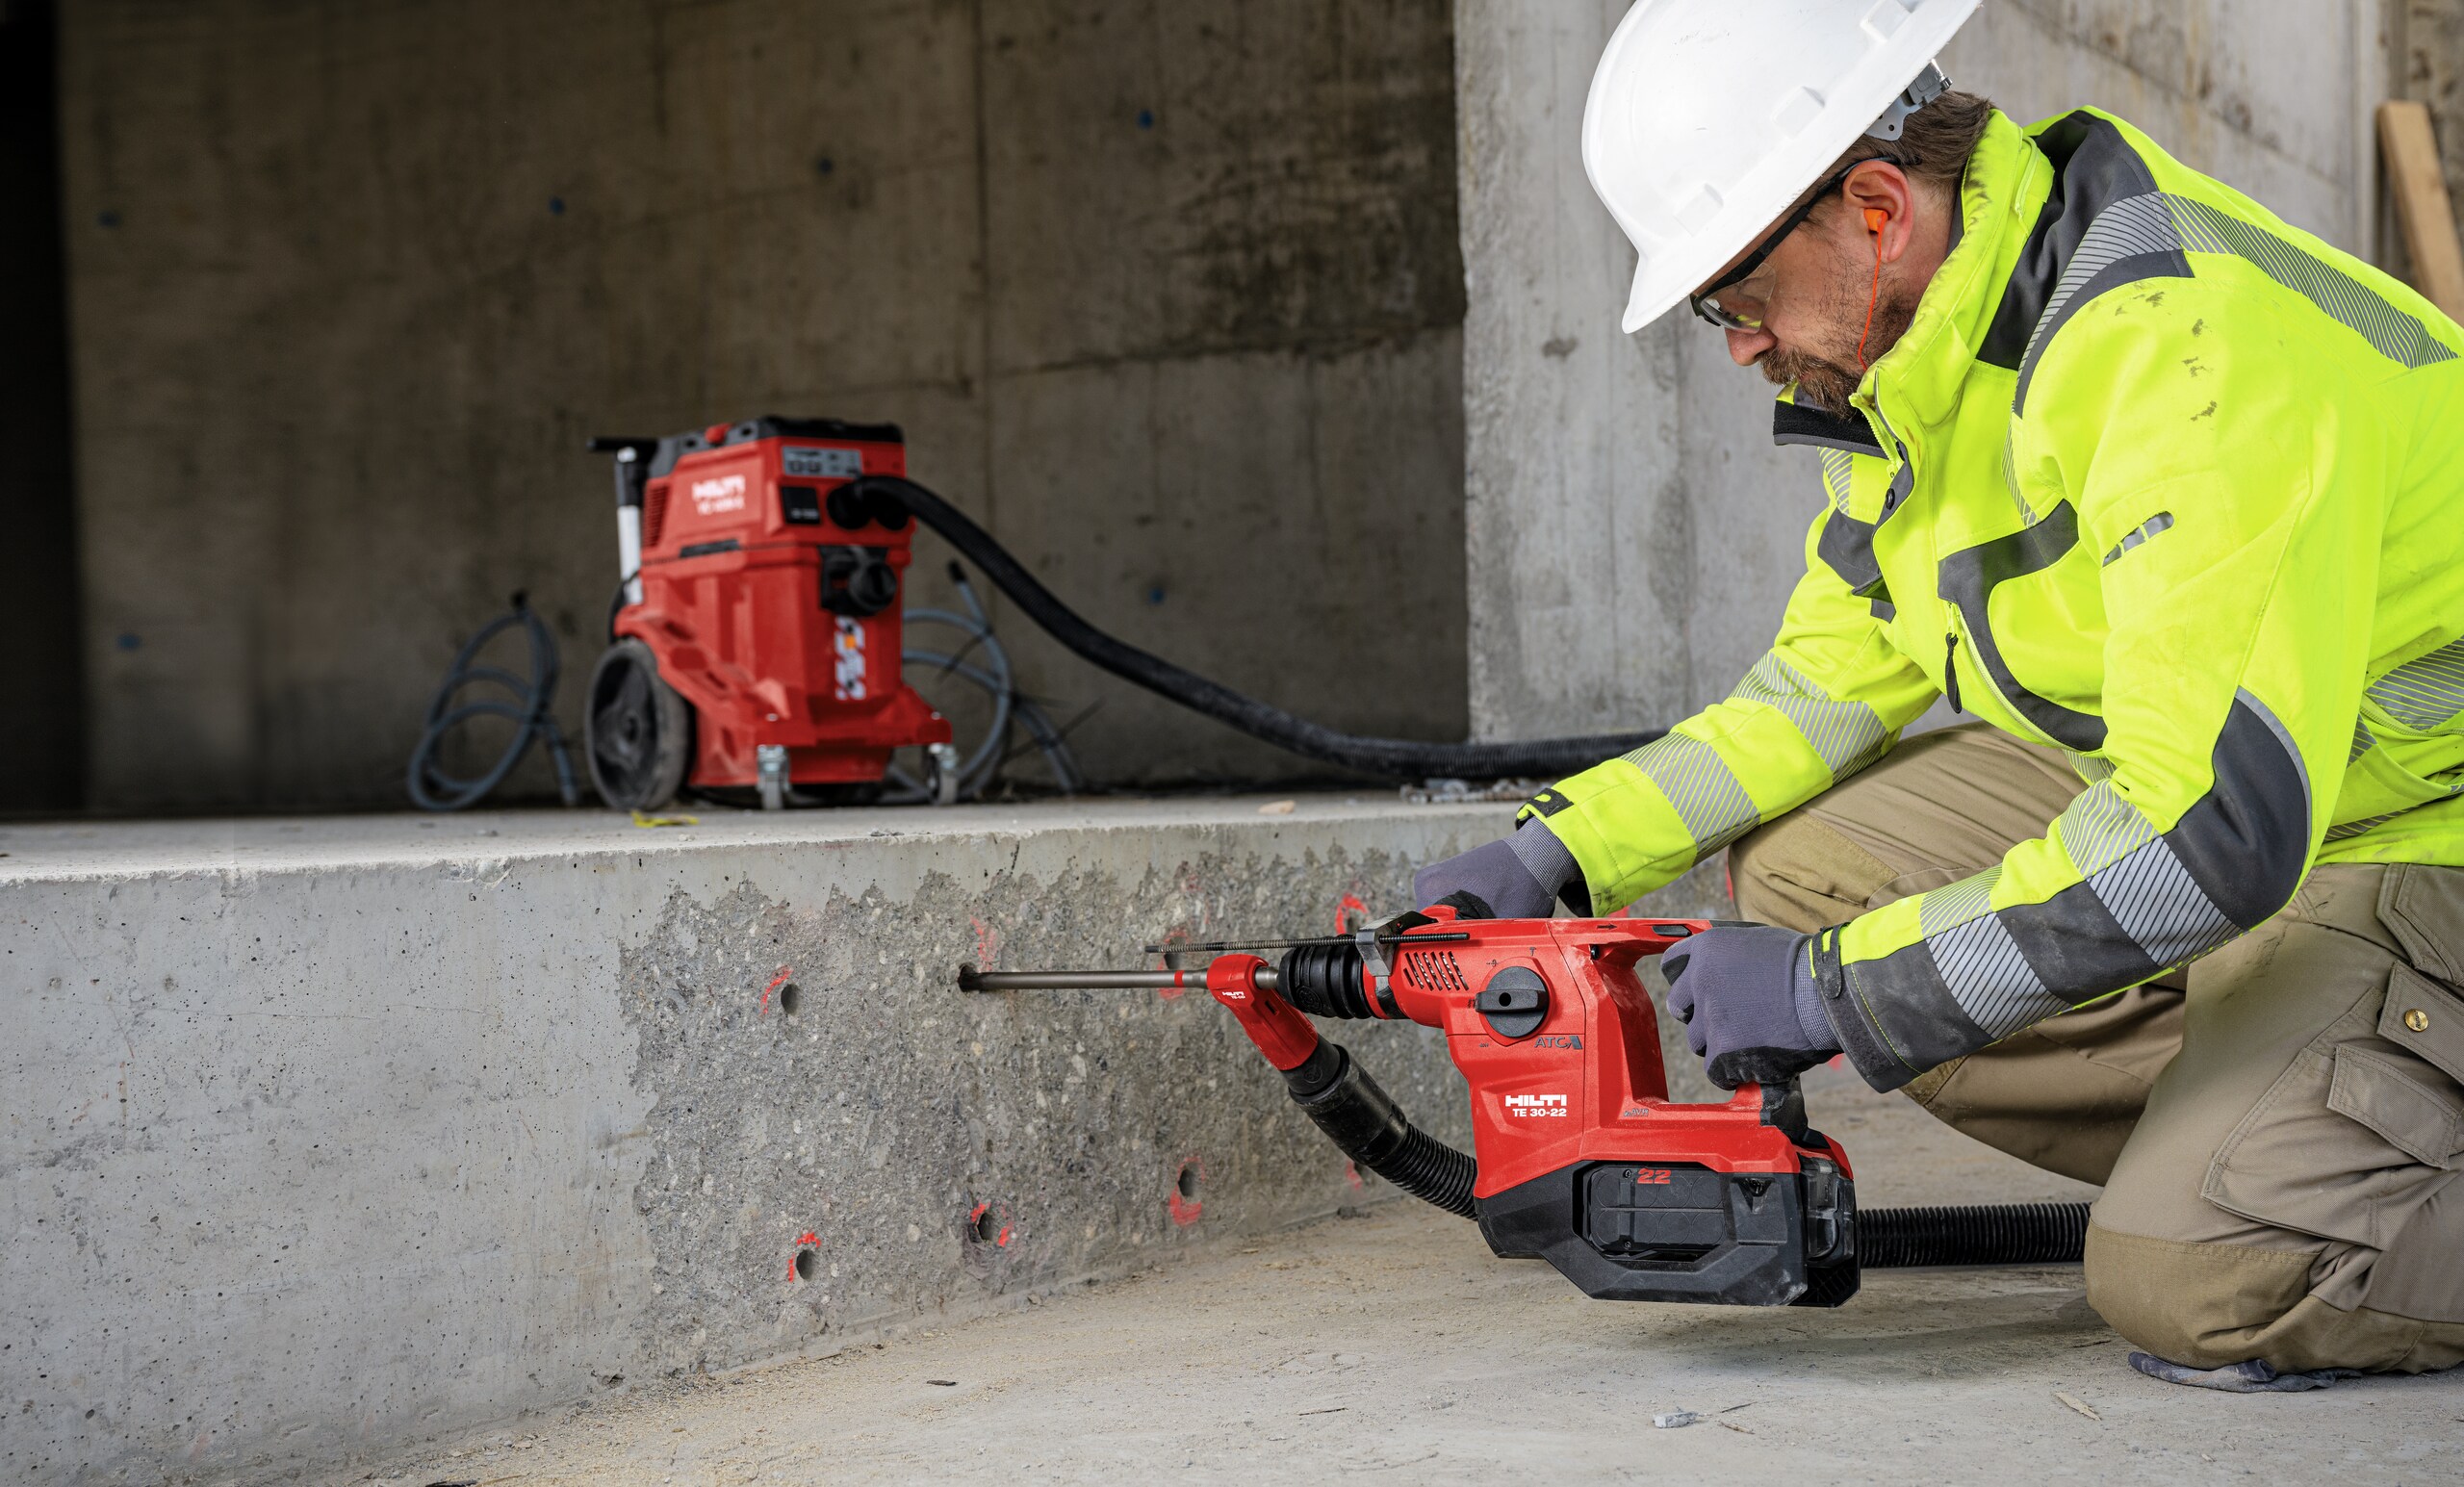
(2155, 477)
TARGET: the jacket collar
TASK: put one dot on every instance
(1921, 377)
(1918, 382)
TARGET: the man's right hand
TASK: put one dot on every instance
(1518, 877)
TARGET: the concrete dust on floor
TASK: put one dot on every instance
(1393, 1343)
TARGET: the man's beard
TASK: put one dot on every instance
(1828, 381)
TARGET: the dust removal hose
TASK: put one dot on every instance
(1394, 757)
(1365, 1122)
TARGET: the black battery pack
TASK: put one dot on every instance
(1641, 1231)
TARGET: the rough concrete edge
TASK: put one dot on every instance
(512, 855)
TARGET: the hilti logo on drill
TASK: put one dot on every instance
(1535, 1106)
(724, 494)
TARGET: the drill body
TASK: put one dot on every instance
(1580, 1158)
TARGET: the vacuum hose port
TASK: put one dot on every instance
(858, 582)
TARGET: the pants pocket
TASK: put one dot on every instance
(2347, 1145)
(2423, 1122)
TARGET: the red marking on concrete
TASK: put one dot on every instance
(1185, 1210)
(776, 982)
(978, 1212)
(988, 943)
(1351, 904)
(806, 1238)
(1352, 1175)
(1003, 1242)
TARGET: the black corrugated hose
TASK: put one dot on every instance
(1323, 978)
(2005, 1234)
(1394, 757)
(1364, 1120)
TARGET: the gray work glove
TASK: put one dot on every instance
(1517, 877)
(2253, 1376)
(1749, 1004)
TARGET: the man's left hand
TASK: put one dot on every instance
(1747, 997)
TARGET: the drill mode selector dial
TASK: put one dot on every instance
(1514, 1003)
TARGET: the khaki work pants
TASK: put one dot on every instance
(2277, 1133)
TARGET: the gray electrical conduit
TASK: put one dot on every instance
(994, 676)
(1394, 757)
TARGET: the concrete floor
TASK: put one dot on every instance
(1393, 1343)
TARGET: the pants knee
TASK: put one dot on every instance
(1797, 872)
(2162, 1300)
(2213, 1305)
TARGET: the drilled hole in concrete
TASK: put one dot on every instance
(1187, 1182)
(807, 1264)
(788, 997)
(987, 1226)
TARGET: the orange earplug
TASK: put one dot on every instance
(1875, 217)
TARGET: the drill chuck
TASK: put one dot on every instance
(1326, 978)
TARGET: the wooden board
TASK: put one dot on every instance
(2421, 206)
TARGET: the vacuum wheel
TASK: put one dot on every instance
(638, 733)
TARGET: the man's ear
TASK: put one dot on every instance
(1887, 199)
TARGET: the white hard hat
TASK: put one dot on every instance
(1707, 117)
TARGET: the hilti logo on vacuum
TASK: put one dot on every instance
(850, 650)
(1535, 1106)
(724, 494)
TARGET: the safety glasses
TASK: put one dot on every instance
(1743, 310)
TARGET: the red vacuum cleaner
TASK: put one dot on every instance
(758, 634)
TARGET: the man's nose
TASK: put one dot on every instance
(1744, 345)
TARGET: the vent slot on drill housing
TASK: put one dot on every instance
(1434, 970)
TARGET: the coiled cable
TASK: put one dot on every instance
(531, 710)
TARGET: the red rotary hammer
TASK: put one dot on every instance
(1582, 1159)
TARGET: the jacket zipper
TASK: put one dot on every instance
(1951, 639)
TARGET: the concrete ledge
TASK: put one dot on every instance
(330, 1136)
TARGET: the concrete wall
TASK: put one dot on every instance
(328, 1137)
(1166, 291)
(1632, 532)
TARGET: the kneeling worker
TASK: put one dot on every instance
(2164, 491)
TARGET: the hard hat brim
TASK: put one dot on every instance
(1676, 260)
